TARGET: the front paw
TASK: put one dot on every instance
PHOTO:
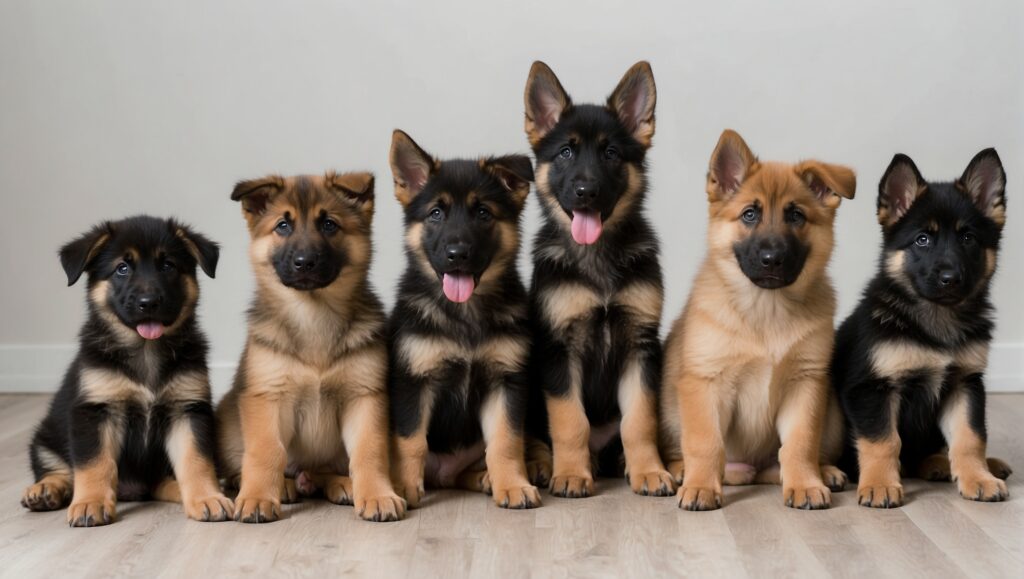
(92, 513)
(383, 508)
(211, 509)
(699, 498)
(572, 486)
(517, 497)
(880, 496)
(45, 496)
(810, 497)
(266, 509)
(656, 483)
(982, 487)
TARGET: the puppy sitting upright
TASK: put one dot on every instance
(133, 419)
(310, 395)
(597, 288)
(909, 360)
(459, 334)
(746, 364)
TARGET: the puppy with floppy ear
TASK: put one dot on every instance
(133, 419)
(746, 394)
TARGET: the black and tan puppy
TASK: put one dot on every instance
(133, 419)
(459, 335)
(596, 297)
(310, 396)
(910, 360)
(746, 395)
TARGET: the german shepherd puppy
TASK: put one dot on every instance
(597, 292)
(310, 394)
(133, 419)
(909, 360)
(746, 373)
(459, 337)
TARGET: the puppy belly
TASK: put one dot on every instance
(316, 443)
(442, 469)
(752, 438)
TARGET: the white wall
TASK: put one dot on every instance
(113, 108)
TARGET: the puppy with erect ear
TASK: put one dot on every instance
(133, 419)
(755, 337)
(924, 327)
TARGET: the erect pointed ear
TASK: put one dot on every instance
(78, 253)
(633, 101)
(205, 251)
(984, 181)
(255, 193)
(730, 165)
(828, 182)
(900, 186)
(515, 172)
(356, 188)
(411, 166)
(545, 99)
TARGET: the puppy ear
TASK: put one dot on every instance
(633, 101)
(828, 182)
(515, 172)
(411, 167)
(984, 181)
(545, 100)
(730, 164)
(356, 188)
(76, 255)
(254, 194)
(900, 186)
(205, 251)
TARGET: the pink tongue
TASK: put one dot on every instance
(586, 226)
(150, 330)
(458, 287)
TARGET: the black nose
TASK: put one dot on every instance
(304, 261)
(950, 277)
(770, 258)
(457, 252)
(148, 302)
(587, 189)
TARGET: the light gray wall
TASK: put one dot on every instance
(115, 108)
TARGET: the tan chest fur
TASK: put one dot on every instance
(898, 360)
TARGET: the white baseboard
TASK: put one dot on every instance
(40, 369)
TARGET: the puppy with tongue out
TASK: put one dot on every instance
(459, 334)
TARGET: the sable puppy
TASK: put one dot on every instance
(459, 336)
(596, 296)
(909, 361)
(310, 395)
(746, 364)
(133, 419)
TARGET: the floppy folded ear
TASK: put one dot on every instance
(984, 181)
(900, 186)
(828, 182)
(546, 100)
(515, 172)
(633, 101)
(356, 188)
(730, 164)
(77, 254)
(255, 193)
(411, 167)
(205, 251)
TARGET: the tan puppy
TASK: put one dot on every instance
(310, 396)
(746, 395)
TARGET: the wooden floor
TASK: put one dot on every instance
(455, 534)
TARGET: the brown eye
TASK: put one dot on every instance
(436, 214)
(123, 268)
(283, 228)
(329, 226)
(923, 240)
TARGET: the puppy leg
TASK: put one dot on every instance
(364, 423)
(189, 446)
(538, 462)
(639, 429)
(53, 490)
(800, 422)
(570, 438)
(963, 423)
(505, 452)
(94, 454)
(703, 448)
(264, 458)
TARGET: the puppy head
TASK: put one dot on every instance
(305, 230)
(142, 273)
(461, 216)
(589, 158)
(775, 219)
(941, 239)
